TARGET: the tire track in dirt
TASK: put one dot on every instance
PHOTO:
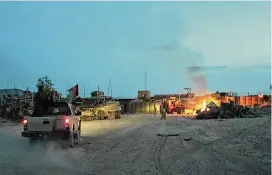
(189, 153)
(157, 155)
(222, 161)
(141, 161)
(129, 141)
(194, 147)
(225, 160)
(118, 140)
(185, 154)
(250, 165)
(219, 163)
(240, 133)
(233, 159)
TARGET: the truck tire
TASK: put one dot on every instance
(72, 138)
(79, 129)
(117, 115)
(76, 138)
(101, 115)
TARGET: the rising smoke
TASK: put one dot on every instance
(195, 74)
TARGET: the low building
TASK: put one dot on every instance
(124, 102)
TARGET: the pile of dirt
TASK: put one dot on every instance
(229, 111)
(266, 109)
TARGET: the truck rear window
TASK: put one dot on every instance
(54, 109)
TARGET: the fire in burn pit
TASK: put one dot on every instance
(204, 106)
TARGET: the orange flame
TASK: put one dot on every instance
(204, 106)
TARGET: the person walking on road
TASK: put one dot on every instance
(164, 107)
(155, 109)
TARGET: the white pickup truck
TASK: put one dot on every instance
(58, 119)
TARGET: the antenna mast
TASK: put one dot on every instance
(145, 80)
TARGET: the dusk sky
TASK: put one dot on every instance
(89, 42)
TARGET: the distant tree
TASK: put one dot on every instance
(45, 87)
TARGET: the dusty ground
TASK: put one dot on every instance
(130, 146)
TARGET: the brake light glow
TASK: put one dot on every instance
(25, 121)
(67, 121)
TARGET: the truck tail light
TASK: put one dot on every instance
(25, 121)
(67, 121)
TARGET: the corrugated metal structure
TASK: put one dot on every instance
(250, 100)
(125, 104)
(142, 107)
(132, 108)
(138, 107)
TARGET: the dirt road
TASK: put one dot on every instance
(130, 146)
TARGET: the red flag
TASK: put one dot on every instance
(73, 91)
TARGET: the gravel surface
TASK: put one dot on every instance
(131, 146)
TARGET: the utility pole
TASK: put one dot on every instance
(84, 90)
(13, 81)
(109, 86)
(179, 94)
(111, 91)
(66, 88)
(145, 80)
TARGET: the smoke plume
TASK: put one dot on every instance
(197, 78)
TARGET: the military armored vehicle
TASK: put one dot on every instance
(100, 107)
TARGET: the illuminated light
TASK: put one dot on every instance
(25, 121)
(67, 121)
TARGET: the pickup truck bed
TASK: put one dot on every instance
(58, 120)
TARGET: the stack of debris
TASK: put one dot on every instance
(228, 111)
